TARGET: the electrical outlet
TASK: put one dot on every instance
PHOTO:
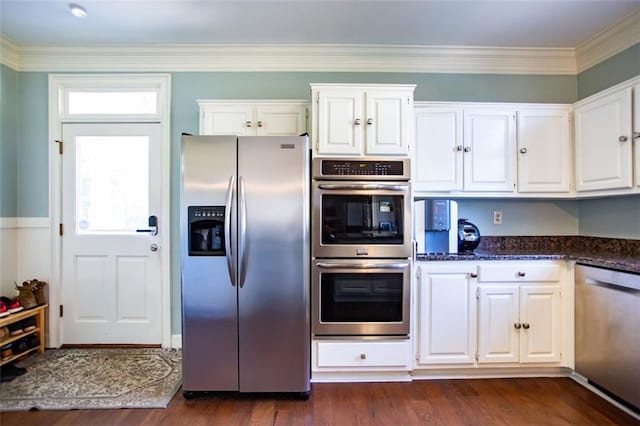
(497, 217)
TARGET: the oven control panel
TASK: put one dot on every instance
(381, 169)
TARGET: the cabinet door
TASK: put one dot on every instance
(604, 142)
(227, 120)
(540, 319)
(544, 150)
(340, 122)
(447, 319)
(636, 131)
(489, 150)
(281, 120)
(498, 338)
(386, 121)
(438, 149)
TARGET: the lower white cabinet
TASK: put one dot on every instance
(490, 314)
(363, 354)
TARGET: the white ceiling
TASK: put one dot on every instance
(515, 23)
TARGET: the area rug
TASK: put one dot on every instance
(62, 379)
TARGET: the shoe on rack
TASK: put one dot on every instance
(13, 305)
(15, 329)
(20, 346)
(26, 296)
(6, 352)
(39, 292)
(32, 341)
(4, 311)
(4, 334)
(28, 324)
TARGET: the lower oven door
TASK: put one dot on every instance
(353, 297)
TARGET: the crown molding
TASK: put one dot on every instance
(9, 53)
(609, 42)
(327, 58)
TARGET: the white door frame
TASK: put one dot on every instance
(58, 85)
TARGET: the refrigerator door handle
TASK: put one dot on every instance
(242, 232)
(227, 230)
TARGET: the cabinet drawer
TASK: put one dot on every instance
(518, 272)
(364, 354)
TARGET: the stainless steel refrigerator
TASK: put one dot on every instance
(245, 264)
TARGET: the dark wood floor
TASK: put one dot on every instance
(545, 401)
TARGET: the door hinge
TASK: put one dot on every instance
(317, 146)
(61, 230)
(60, 146)
(318, 97)
(478, 293)
(306, 113)
(61, 311)
(477, 356)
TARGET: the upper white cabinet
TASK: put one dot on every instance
(357, 120)
(636, 130)
(544, 149)
(253, 118)
(489, 150)
(484, 148)
(604, 141)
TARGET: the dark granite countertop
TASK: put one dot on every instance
(612, 253)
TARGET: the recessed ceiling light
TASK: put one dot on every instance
(77, 10)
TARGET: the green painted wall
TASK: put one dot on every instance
(618, 68)
(8, 141)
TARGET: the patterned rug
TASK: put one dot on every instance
(62, 379)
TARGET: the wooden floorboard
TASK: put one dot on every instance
(535, 401)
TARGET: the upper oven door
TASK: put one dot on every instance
(361, 219)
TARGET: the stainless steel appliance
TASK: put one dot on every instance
(362, 208)
(436, 226)
(607, 340)
(468, 236)
(245, 264)
(362, 247)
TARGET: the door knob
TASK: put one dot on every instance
(153, 247)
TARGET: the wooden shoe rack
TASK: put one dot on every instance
(38, 313)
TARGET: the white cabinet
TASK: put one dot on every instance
(446, 316)
(544, 149)
(332, 355)
(253, 118)
(357, 120)
(604, 141)
(519, 314)
(636, 131)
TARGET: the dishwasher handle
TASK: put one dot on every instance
(625, 281)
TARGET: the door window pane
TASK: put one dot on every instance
(120, 103)
(112, 178)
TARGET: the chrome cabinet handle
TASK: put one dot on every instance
(242, 233)
(521, 274)
(459, 148)
(523, 150)
(260, 123)
(517, 326)
(525, 325)
(227, 230)
(623, 138)
(467, 149)
(369, 121)
(356, 122)
(636, 135)
(473, 275)
(363, 356)
(247, 123)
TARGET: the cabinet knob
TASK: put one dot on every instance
(247, 123)
(473, 275)
(467, 149)
(623, 138)
(517, 326)
(363, 356)
(523, 150)
(521, 274)
(459, 148)
(636, 135)
(525, 325)
(356, 122)
(369, 121)
(259, 123)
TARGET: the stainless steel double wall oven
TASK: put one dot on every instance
(361, 247)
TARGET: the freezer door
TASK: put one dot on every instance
(209, 298)
(273, 239)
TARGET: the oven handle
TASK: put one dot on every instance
(363, 187)
(363, 265)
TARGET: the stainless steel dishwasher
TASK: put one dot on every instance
(607, 326)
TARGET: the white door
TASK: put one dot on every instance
(438, 150)
(489, 150)
(340, 122)
(111, 273)
(447, 319)
(540, 320)
(498, 335)
(604, 143)
(387, 113)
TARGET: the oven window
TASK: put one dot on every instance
(362, 219)
(369, 297)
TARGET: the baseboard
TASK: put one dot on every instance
(176, 341)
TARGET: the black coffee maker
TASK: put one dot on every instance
(468, 236)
